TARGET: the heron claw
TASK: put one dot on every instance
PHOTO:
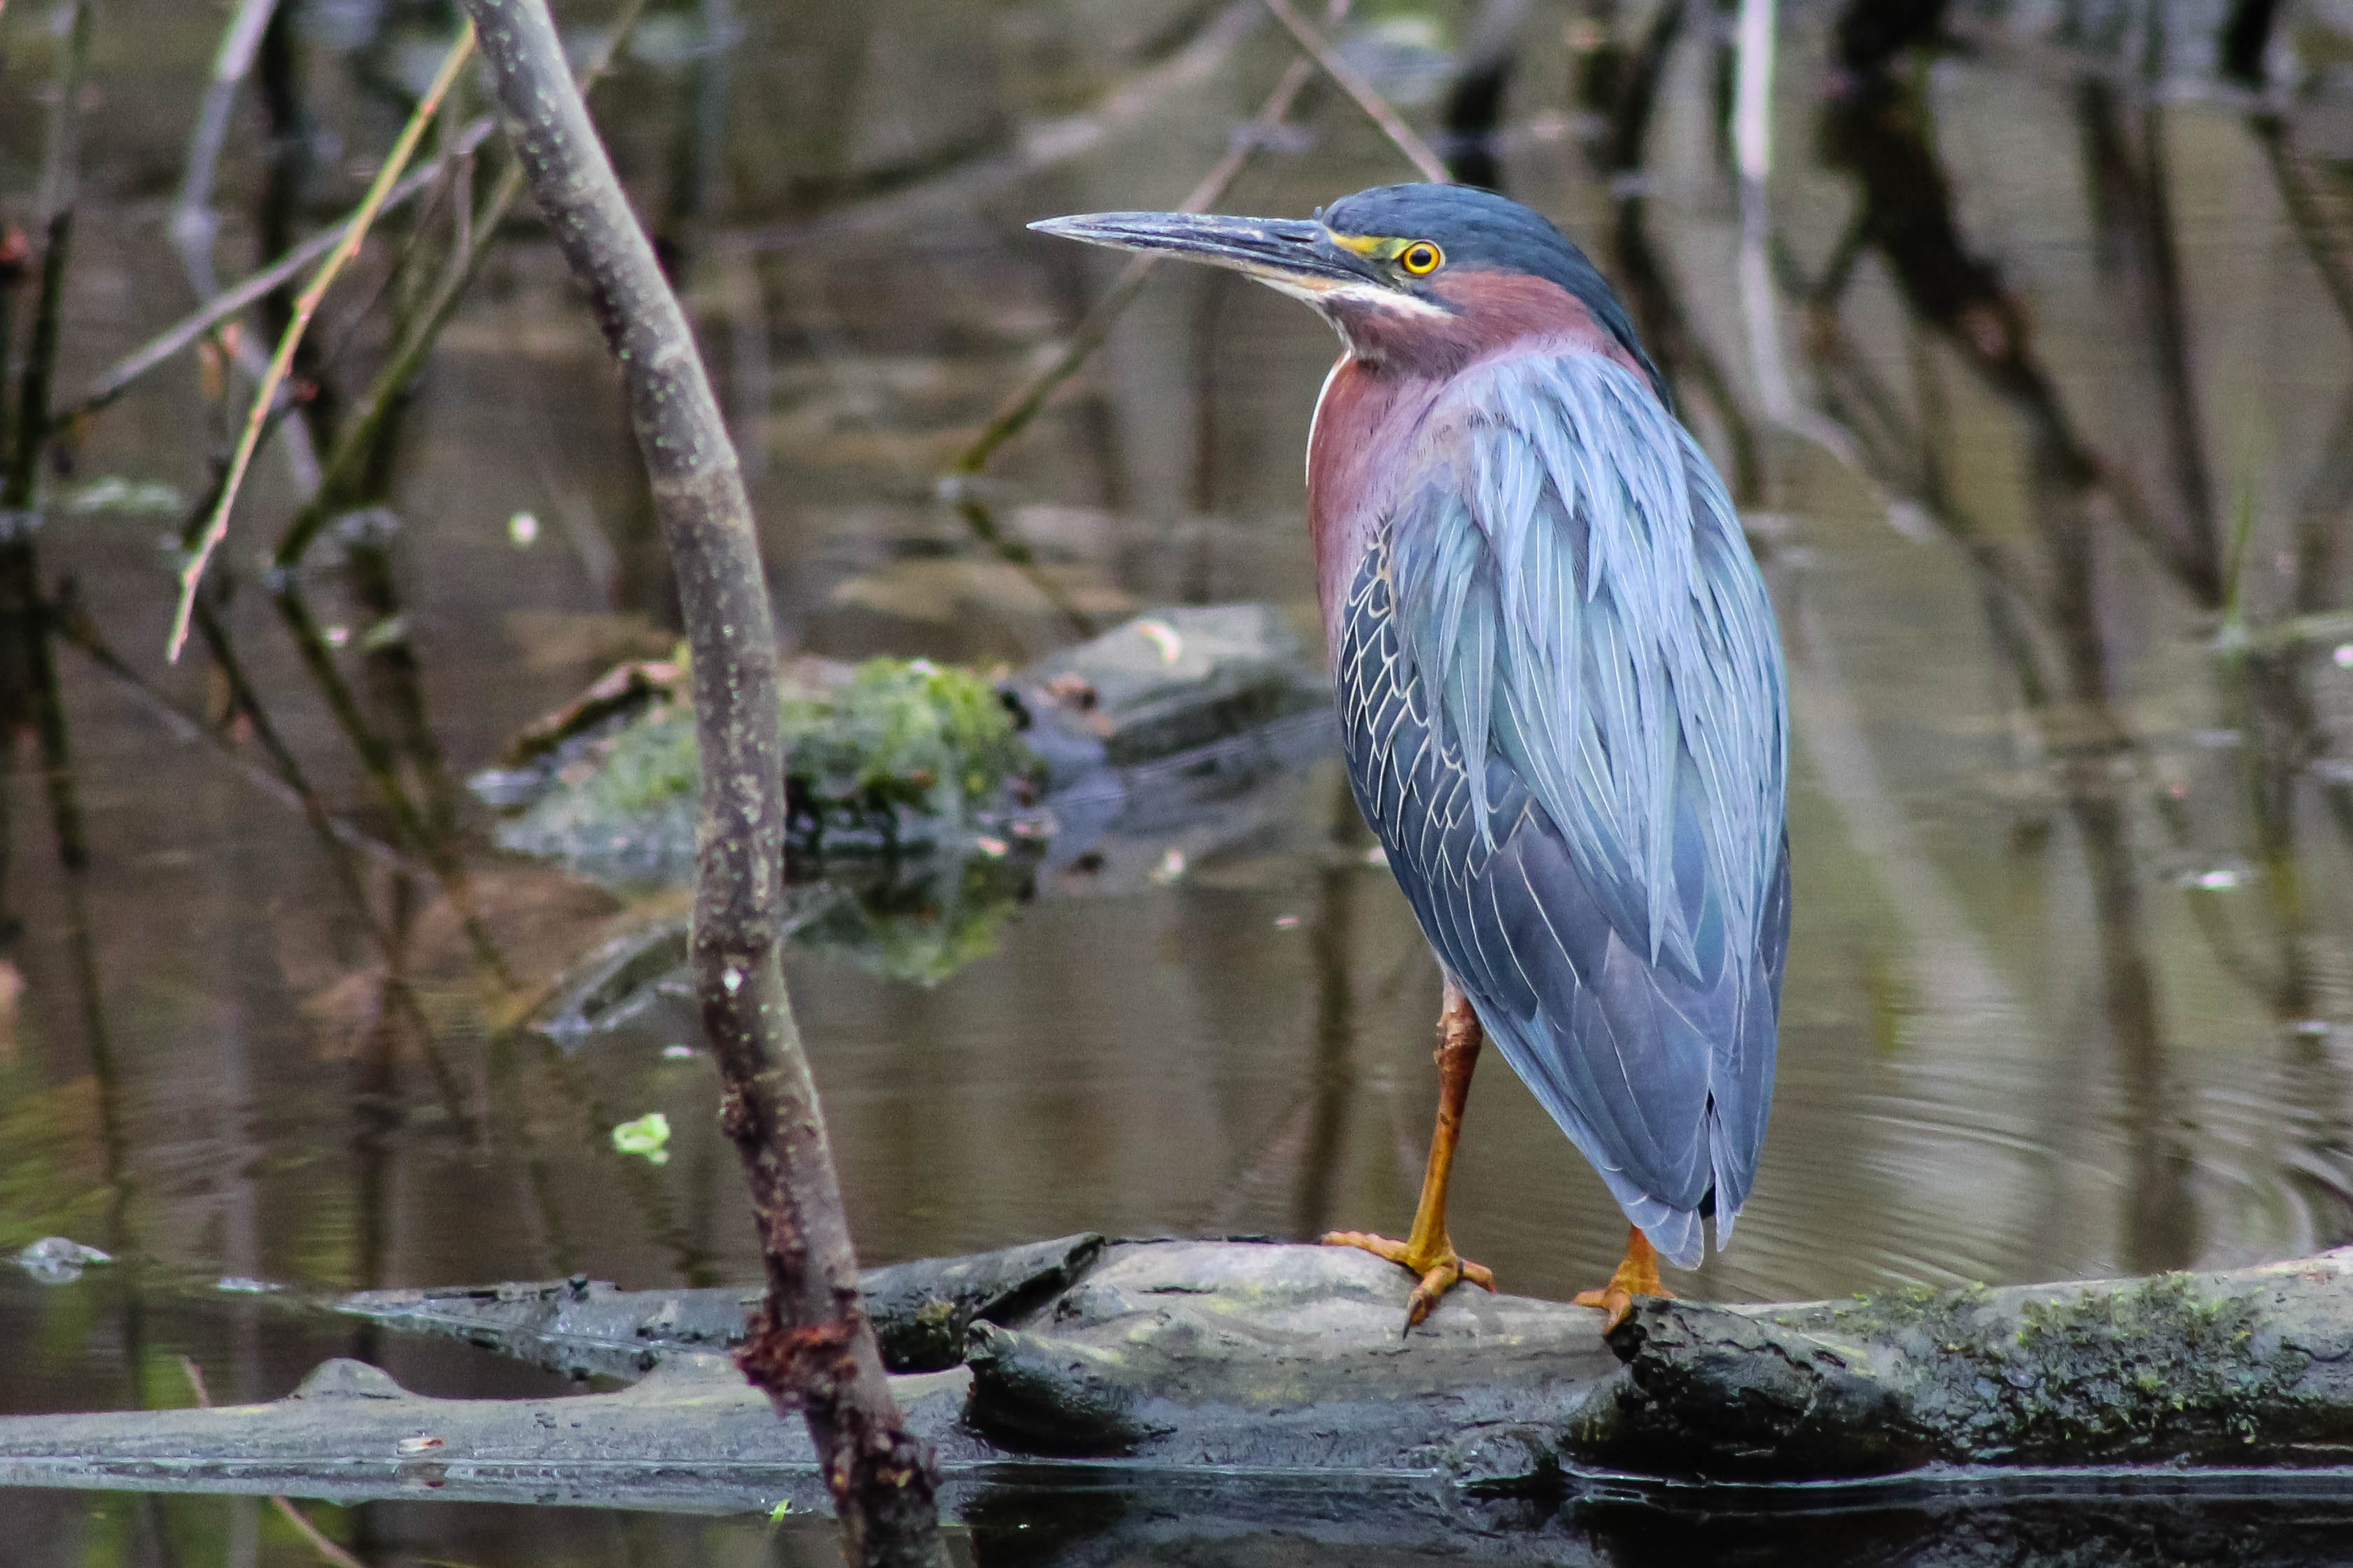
(1439, 1270)
(1637, 1275)
(1617, 1303)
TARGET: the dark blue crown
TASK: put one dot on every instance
(1478, 229)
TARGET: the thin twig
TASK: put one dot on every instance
(291, 790)
(2305, 216)
(305, 306)
(377, 760)
(1368, 99)
(118, 378)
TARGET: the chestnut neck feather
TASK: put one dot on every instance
(1371, 435)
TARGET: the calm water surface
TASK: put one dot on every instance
(2051, 516)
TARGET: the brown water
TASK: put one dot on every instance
(2069, 990)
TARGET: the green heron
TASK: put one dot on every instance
(1560, 688)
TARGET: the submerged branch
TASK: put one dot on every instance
(1095, 329)
(2305, 216)
(28, 673)
(329, 1552)
(812, 1350)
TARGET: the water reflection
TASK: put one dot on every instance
(2058, 548)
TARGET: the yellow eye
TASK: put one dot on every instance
(1421, 259)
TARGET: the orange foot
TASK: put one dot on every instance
(1638, 1275)
(1439, 1268)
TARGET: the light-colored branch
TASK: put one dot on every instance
(193, 225)
(305, 306)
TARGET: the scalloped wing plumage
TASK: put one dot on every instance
(1564, 713)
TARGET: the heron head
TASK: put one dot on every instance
(1420, 274)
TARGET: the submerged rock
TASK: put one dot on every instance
(1172, 681)
(58, 1259)
(927, 805)
(898, 759)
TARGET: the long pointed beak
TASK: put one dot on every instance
(1294, 256)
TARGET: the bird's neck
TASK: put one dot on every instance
(1360, 451)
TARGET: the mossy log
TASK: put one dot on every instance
(2250, 1367)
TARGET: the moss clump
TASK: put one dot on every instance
(894, 755)
(651, 763)
(903, 734)
(2134, 1373)
(899, 734)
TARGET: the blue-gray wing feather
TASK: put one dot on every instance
(1563, 708)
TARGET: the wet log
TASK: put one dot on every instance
(1212, 1365)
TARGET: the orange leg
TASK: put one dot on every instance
(1427, 1252)
(1638, 1275)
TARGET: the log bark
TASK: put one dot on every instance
(812, 1348)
